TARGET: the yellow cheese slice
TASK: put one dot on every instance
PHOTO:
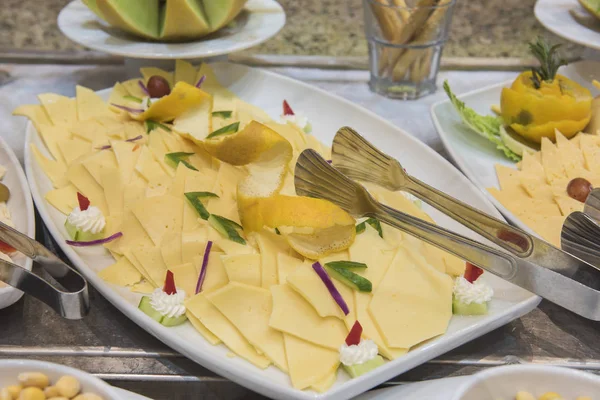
(304, 322)
(591, 152)
(73, 149)
(147, 165)
(325, 383)
(121, 273)
(63, 199)
(247, 112)
(370, 330)
(186, 278)
(222, 328)
(133, 233)
(133, 192)
(142, 287)
(160, 215)
(210, 338)
(243, 268)
(53, 169)
(148, 72)
(568, 204)
(307, 283)
(346, 292)
(36, 114)
(225, 206)
(133, 88)
(98, 162)
(171, 249)
(61, 110)
(308, 363)
(531, 167)
(232, 248)
(193, 244)
(570, 155)
(87, 185)
(535, 188)
(548, 227)
(151, 261)
(178, 183)
(227, 180)
(248, 308)
(196, 123)
(186, 72)
(128, 254)
(173, 142)
(216, 275)
(89, 104)
(91, 131)
(223, 99)
(454, 265)
(287, 264)
(52, 135)
(291, 133)
(270, 245)
(413, 303)
(552, 162)
(126, 158)
(134, 129)
(158, 149)
(372, 250)
(508, 178)
(159, 186)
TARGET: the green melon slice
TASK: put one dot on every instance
(220, 13)
(183, 19)
(139, 17)
(91, 4)
(517, 143)
(591, 6)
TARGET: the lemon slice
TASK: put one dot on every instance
(312, 227)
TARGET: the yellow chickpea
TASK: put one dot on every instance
(68, 386)
(522, 395)
(5, 394)
(51, 391)
(34, 379)
(14, 390)
(32, 393)
(88, 396)
(550, 396)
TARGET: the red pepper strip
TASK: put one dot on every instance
(353, 337)
(287, 110)
(6, 248)
(169, 287)
(84, 202)
(472, 272)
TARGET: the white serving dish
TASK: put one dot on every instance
(10, 369)
(21, 210)
(569, 20)
(327, 113)
(259, 21)
(476, 156)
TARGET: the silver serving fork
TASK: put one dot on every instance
(66, 291)
(534, 265)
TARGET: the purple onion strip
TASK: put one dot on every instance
(331, 287)
(144, 88)
(95, 242)
(128, 109)
(200, 81)
(204, 266)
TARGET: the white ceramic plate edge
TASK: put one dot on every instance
(10, 295)
(244, 375)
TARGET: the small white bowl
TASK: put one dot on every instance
(503, 383)
(20, 206)
(10, 369)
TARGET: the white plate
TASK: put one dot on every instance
(127, 395)
(21, 210)
(569, 20)
(327, 114)
(260, 20)
(476, 156)
(435, 389)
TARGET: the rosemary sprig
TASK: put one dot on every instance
(550, 61)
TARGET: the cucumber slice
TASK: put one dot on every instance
(173, 159)
(222, 114)
(173, 321)
(347, 264)
(147, 309)
(226, 130)
(460, 308)
(226, 227)
(517, 143)
(71, 230)
(152, 125)
(360, 369)
(195, 199)
(349, 278)
(81, 236)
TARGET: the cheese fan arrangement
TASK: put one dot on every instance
(191, 190)
(547, 124)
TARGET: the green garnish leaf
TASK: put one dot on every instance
(222, 114)
(486, 126)
(550, 61)
(349, 278)
(226, 227)
(347, 264)
(226, 130)
(133, 98)
(277, 231)
(195, 200)
(375, 224)
(173, 159)
(152, 125)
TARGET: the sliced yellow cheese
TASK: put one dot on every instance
(216, 275)
(89, 104)
(230, 247)
(535, 188)
(171, 249)
(126, 158)
(63, 199)
(270, 245)
(142, 287)
(531, 167)
(196, 123)
(243, 268)
(591, 152)
(222, 328)
(150, 259)
(551, 161)
(159, 216)
(87, 185)
(159, 186)
(568, 204)
(291, 133)
(36, 114)
(413, 303)
(133, 233)
(372, 250)
(91, 131)
(121, 273)
(186, 72)
(193, 244)
(325, 383)
(61, 110)
(304, 322)
(147, 165)
(133, 88)
(55, 171)
(308, 363)
(186, 277)
(248, 308)
(286, 265)
(208, 335)
(73, 149)
(128, 254)
(99, 162)
(52, 135)
(570, 155)
(223, 99)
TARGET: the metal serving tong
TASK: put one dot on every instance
(68, 295)
(580, 233)
(525, 260)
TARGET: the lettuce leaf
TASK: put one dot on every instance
(486, 126)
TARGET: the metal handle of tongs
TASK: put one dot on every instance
(69, 298)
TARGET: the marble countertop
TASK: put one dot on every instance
(480, 28)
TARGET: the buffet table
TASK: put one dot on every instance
(109, 345)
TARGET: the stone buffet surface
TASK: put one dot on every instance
(481, 28)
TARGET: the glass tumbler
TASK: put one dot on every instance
(406, 38)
